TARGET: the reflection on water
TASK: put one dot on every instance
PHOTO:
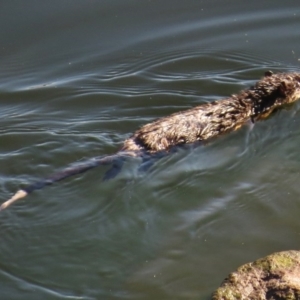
(76, 79)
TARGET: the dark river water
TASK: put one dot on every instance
(76, 78)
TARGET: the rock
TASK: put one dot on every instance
(275, 277)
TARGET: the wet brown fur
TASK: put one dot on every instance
(212, 119)
(196, 124)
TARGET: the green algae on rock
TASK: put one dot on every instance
(274, 277)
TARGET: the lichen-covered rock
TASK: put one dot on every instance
(275, 277)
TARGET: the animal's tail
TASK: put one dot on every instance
(81, 168)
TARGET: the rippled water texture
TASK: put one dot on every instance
(76, 78)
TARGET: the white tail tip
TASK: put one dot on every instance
(18, 195)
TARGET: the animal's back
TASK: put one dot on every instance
(199, 123)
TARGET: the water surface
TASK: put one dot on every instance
(77, 77)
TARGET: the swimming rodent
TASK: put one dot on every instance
(200, 123)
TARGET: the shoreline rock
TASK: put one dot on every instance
(274, 277)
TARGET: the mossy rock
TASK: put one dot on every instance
(275, 277)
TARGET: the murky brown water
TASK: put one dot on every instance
(77, 77)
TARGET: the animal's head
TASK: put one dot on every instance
(274, 90)
(284, 86)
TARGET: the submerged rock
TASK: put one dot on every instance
(274, 277)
